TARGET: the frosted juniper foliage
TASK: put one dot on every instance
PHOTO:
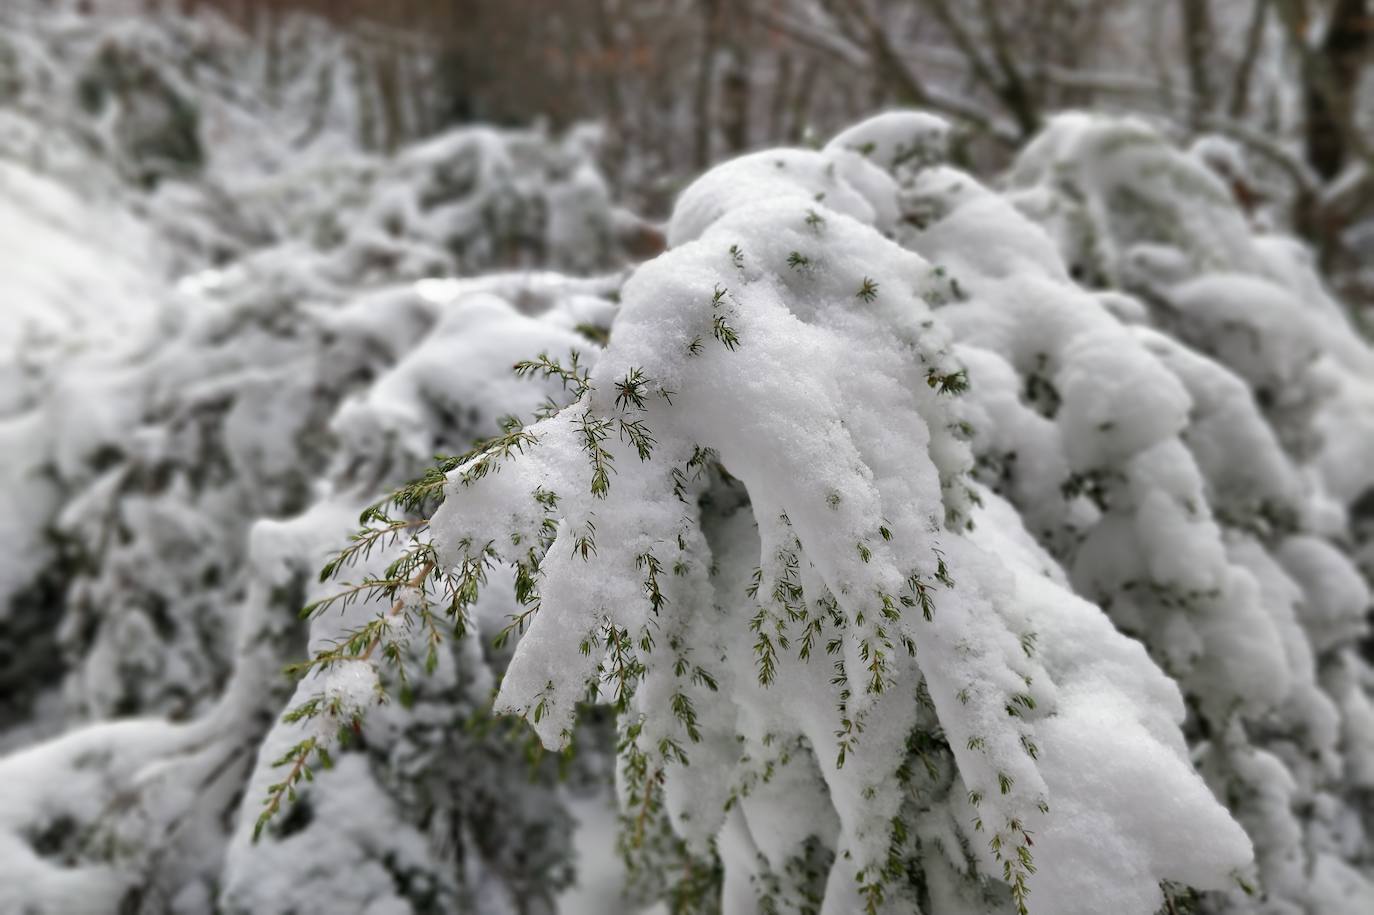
(186, 441)
(182, 599)
(1283, 729)
(155, 401)
(145, 815)
(153, 458)
(850, 611)
(912, 545)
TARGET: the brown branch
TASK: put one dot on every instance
(827, 43)
(649, 782)
(284, 787)
(1240, 84)
(397, 606)
(1331, 71)
(1198, 40)
(1012, 89)
(909, 84)
(979, 68)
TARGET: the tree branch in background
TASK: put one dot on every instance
(965, 42)
(826, 42)
(735, 86)
(1198, 42)
(706, 76)
(1240, 84)
(1012, 88)
(889, 62)
(1331, 71)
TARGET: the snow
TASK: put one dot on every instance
(972, 546)
(78, 277)
(1275, 373)
(337, 864)
(352, 686)
(172, 364)
(786, 274)
(1106, 763)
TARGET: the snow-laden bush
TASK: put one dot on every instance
(196, 126)
(434, 763)
(800, 560)
(138, 815)
(140, 475)
(1159, 224)
(1280, 419)
(79, 281)
(931, 547)
(483, 198)
(161, 94)
(139, 575)
(137, 468)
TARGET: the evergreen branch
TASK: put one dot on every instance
(573, 377)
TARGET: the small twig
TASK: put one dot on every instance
(397, 606)
(644, 807)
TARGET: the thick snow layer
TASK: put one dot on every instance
(741, 340)
(83, 764)
(1116, 771)
(79, 275)
(1280, 389)
(151, 424)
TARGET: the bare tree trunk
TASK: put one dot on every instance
(706, 78)
(782, 85)
(388, 77)
(1011, 88)
(801, 102)
(274, 54)
(1330, 95)
(735, 91)
(1159, 57)
(1240, 86)
(614, 151)
(1198, 41)
(367, 112)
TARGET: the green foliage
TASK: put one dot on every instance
(420, 596)
(948, 382)
(720, 325)
(574, 378)
(298, 758)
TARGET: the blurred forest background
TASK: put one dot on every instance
(680, 84)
